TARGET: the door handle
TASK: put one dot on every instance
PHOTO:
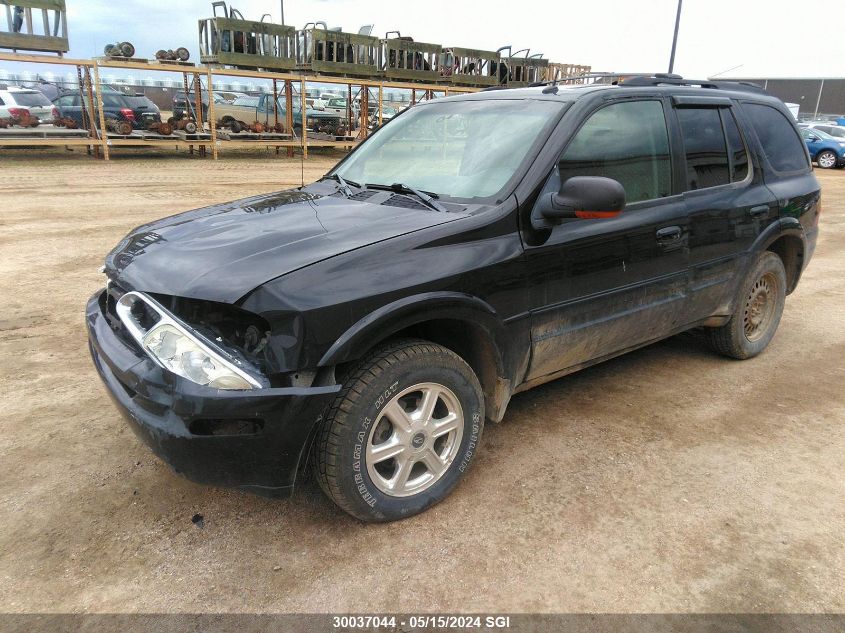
(669, 234)
(759, 211)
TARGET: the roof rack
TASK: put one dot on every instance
(677, 80)
(653, 79)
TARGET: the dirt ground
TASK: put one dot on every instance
(667, 480)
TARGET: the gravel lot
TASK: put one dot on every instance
(666, 480)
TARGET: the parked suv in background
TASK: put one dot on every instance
(143, 108)
(115, 106)
(368, 324)
(14, 100)
(827, 151)
(837, 131)
(180, 108)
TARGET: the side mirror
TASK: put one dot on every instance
(812, 137)
(584, 197)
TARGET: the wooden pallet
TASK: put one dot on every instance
(43, 132)
(155, 136)
(172, 62)
(133, 60)
(197, 136)
(228, 135)
(116, 136)
(324, 136)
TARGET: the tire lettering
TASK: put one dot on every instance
(473, 440)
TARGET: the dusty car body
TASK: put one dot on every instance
(372, 325)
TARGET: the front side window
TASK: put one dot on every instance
(627, 142)
(781, 144)
(461, 149)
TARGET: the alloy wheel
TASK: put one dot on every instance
(827, 160)
(415, 439)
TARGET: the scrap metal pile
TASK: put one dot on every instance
(229, 39)
(19, 117)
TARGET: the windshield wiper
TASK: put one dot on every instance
(344, 185)
(426, 198)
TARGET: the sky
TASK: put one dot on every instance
(740, 38)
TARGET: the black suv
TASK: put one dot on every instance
(474, 247)
(136, 109)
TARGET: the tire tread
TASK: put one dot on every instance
(368, 370)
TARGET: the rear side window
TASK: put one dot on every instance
(628, 142)
(781, 144)
(705, 148)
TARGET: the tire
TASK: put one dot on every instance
(759, 306)
(827, 159)
(377, 408)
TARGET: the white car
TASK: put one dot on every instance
(13, 99)
(337, 105)
(836, 131)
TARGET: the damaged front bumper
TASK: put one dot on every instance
(252, 439)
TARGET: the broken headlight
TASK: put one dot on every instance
(175, 347)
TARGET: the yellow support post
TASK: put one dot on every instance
(304, 107)
(212, 120)
(104, 134)
(380, 102)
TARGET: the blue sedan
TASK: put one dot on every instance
(827, 151)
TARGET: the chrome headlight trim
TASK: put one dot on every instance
(124, 306)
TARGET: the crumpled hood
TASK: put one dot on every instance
(221, 253)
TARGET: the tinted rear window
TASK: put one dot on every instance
(113, 101)
(32, 99)
(139, 102)
(781, 144)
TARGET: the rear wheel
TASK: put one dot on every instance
(826, 159)
(401, 433)
(758, 310)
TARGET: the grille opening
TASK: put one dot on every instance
(216, 426)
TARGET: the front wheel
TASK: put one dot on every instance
(401, 433)
(826, 159)
(756, 316)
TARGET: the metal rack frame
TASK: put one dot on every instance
(100, 144)
(22, 35)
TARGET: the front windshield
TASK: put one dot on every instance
(460, 149)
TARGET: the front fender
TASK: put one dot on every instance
(408, 311)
